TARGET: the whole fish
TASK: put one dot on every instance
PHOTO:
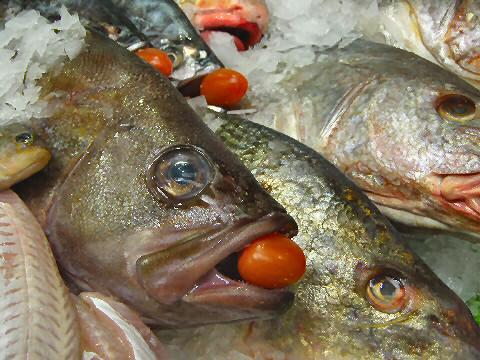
(245, 20)
(141, 200)
(136, 24)
(365, 294)
(405, 130)
(37, 317)
(20, 154)
(446, 32)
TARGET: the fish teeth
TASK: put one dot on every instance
(37, 317)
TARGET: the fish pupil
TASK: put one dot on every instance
(24, 138)
(183, 172)
(388, 288)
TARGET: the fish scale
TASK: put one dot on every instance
(37, 316)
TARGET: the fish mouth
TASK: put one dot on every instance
(202, 269)
(245, 33)
(459, 192)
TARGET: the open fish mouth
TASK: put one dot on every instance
(244, 32)
(202, 270)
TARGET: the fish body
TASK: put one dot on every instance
(141, 200)
(446, 32)
(21, 155)
(38, 319)
(405, 130)
(347, 242)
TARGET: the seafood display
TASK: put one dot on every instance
(132, 229)
(445, 32)
(403, 129)
(363, 286)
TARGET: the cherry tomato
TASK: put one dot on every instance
(273, 261)
(158, 59)
(224, 87)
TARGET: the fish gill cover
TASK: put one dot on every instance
(29, 47)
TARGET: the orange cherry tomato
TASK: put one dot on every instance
(224, 87)
(158, 59)
(272, 261)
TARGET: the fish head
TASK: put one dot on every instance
(156, 200)
(417, 156)
(450, 30)
(245, 20)
(402, 302)
(365, 294)
(21, 154)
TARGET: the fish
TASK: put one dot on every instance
(21, 154)
(111, 330)
(141, 200)
(245, 20)
(167, 28)
(405, 130)
(365, 294)
(38, 319)
(136, 25)
(445, 32)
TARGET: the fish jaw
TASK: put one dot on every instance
(194, 279)
(17, 165)
(245, 20)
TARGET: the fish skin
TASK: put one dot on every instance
(109, 233)
(135, 24)
(168, 28)
(446, 32)
(246, 20)
(110, 330)
(37, 320)
(346, 240)
(19, 158)
(371, 110)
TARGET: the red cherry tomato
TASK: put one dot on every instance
(273, 261)
(224, 87)
(158, 59)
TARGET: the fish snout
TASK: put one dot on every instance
(456, 322)
(190, 273)
(457, 192)
(245, 21)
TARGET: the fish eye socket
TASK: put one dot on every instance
(179, 173)
(24, 138)
(386, 293)
(456, 107)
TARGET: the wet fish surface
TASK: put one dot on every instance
(141, 200)
(405, 130)
(37, 318)
(340, 311)
(136, 24)
(446, 32)
(21, 155)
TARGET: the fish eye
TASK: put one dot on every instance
(175, 54)
(179, 173)
(456, 107)
(386, 293)
(24, 138)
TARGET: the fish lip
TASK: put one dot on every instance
(459, 205)
(166, 287)
(246, 33)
